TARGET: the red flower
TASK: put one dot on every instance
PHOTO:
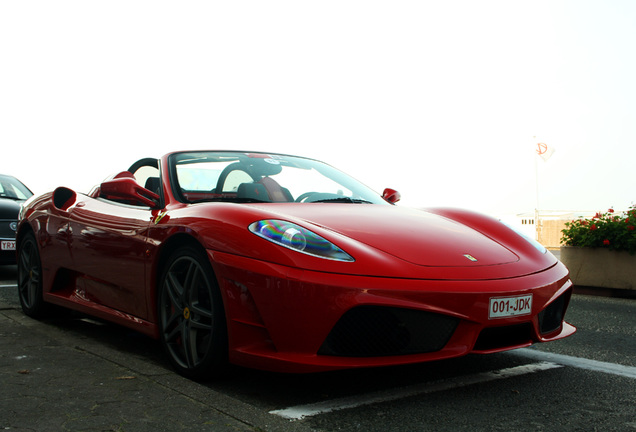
(630, 228)
(626, 220)
(606, 242)
(611, 210)
(593, 227)
(597, 215)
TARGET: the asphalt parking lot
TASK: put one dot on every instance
(79, 374)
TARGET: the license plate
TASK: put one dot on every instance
(8, 245)
(502, 307)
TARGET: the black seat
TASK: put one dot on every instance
(153, 184)
(254, 191)
(275, 191)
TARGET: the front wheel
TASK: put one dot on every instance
(191, 316)
(30, 278)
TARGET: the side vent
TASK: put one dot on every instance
(63, 198)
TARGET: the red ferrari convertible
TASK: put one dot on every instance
(285, 264)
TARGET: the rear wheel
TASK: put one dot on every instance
(30, 277)
(191, 316)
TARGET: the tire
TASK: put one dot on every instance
(30, 278)
(191, 317)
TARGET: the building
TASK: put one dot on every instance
(547, 227)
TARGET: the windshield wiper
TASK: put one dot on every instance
(343, 200)
(234, 200)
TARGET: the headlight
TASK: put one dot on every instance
(297, 238)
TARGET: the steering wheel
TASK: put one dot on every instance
(304, 196)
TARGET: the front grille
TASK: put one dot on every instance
(5, 229)
(373, 331)
(551, 317)
(503, 337)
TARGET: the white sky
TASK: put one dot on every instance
(439, 100)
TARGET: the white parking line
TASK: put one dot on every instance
(577, 362)
(302, 411)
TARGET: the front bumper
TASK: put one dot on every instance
(290, 320)
(7, 255)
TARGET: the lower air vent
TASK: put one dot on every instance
(373, 331)
(504, 337)
(551, 317)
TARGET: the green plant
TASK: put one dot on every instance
(606, 230)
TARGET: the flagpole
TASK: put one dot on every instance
(536, 197)
(545, 151)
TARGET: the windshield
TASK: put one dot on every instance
(10, 187)
(260, 177)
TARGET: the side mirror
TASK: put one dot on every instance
(126, 188)
(391, 195)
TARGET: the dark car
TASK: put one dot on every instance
(12, 194)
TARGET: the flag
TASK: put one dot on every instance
(544, 151)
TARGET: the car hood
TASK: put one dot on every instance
(416, 236)
(9, 208)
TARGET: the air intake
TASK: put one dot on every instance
(373, 331)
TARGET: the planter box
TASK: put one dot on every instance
(597, 267)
